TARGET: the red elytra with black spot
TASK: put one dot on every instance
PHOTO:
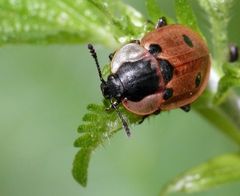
(188, 55)
(168, 68)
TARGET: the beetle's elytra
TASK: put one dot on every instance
(167, 69)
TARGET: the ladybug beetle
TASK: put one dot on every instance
(167, 69)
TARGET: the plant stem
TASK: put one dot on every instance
(226, 117)
(231, 107)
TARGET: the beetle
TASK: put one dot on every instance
(167, 69)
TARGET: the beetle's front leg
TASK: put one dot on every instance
(110, 56)
(113, 105)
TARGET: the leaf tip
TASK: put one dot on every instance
(80, 166)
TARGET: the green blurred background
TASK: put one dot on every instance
(44, 93)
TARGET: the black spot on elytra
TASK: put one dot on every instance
(187, 40)
(198, 80)
(166, 69)
(168, 93)
(154, 49)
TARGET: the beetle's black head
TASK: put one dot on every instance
(112, 88)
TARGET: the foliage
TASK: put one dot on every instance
(98, 127)
(65, 21)
(219, 170)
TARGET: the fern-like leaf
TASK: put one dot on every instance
(98, 126)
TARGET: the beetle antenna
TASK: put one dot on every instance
(124, 123)
(94, 55)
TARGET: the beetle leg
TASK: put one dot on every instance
(161, 22)
(135, 41)
(186, 108)
(113, 105)
(143, 118)
(110, 56)
(146, 116)
(157, 112)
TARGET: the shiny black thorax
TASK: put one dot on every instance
(133, 80)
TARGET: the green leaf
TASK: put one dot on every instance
(220, 118)
(87, 140)
(153, 9)
(154, 12)
(220, 107)
(218, 13)
(98, 126)
(224, 85)
(215, 172)
(65, 21)
(230, 79)
(185, 14)
(80, 165)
